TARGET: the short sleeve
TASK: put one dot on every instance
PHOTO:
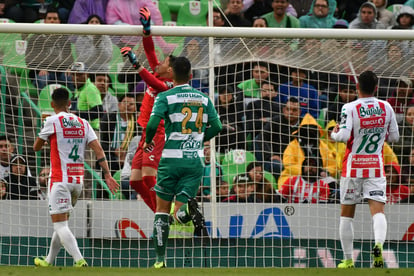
(160, 106)
(91, 135)
(47, 129)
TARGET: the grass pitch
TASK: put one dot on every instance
(99, 271)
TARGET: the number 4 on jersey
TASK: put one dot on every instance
(74, 153)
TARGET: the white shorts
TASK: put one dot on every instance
(353, 190)
(62, 197)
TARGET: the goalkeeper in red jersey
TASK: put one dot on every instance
(144, 164)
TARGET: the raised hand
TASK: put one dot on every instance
(127, 52)
(145, 18)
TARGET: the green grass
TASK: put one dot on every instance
(99, 271)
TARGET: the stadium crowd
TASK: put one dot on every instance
(277, 119)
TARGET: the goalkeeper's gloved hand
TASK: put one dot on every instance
(145, 18)
(127, 51)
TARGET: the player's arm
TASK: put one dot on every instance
(214, 129)
(38, 144)
(149, 48)
(342, 132)
(150, 131)
(393, 133)
(101, 159)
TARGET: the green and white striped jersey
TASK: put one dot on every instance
(186, 113)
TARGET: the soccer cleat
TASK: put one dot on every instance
(197, 218)
(81, 263)
(346, 264)
(158, 265)
(377, 254)
(41, 262)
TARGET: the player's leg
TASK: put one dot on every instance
(380, 230)
(375, 192)
(61, 202)
(165, 195)
(350, 191)
(136, 180)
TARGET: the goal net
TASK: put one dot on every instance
(255, 216)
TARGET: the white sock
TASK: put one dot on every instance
(67, 239)
(55, 246)
(346, 234)
(380, 227)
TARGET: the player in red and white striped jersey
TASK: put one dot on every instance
(365, 125)
(68, 135)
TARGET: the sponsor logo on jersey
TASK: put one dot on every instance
(73, 133)
(373, 122)
(365, 161)
(191, 144)
(70, 122)
(75, 169)
(365, 112)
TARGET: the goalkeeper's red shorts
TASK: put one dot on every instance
(149, 159)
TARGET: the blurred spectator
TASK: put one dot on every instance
(234, 17)
(279, 18)
(3, 189)
(306, 93)
(26, 11)
(126, 12)
(301, 7)
(395, 190)
(265, 192)
(103, 82)
(259, 22)
(307, 187)
(82, 9)
(117, 130)
(276, 135)
(404, 18)
(43, 182)
(21, 186)
(251, 87)
(222, 191)
(205, 187)
(230, 108)
(321, 15)
(94, 50)
(347, 92)
(407, 171)
(406, 128)
(308, 144)
(259, 112)
(402, 97)
(348, 10)
(341, 24)
(87, 98)
(49, 56)
(2, 10)
(258, 8)
(194, 51)
(64, 8)
(6, 152)
(367, 18)
(243, 190)
(218, 18)
(383, 15)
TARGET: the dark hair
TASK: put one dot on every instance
(94, 16)
(261, 64)
(259, 17)
(126, 95)
(52, 9)
(252, 165)
(225, 89)
(367, 82)
(92, 77)
(172, 60)
(60, 96)
(182, 69)
(293, 99)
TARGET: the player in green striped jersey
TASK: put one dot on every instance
(190, 120)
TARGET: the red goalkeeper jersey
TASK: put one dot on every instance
(155, 83)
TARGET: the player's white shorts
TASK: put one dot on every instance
(353, 190)
(63, 196)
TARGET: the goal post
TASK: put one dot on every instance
(116, 231)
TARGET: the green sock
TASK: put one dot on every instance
(183, 215)
(161, 231)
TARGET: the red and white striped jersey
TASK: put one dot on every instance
(68, 136)
(365, 124)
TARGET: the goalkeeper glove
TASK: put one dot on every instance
(127, 51)
(145, 18)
